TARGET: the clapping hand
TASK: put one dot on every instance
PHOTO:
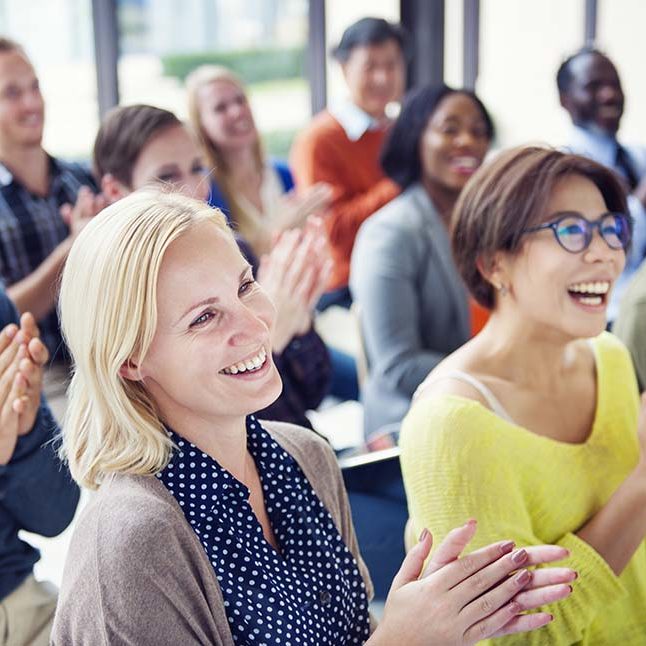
(460, 601)
(294, 275)
(86, 207)
(22, 357)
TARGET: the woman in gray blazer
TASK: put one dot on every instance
(412, 304)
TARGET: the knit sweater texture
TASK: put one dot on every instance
(460, 460)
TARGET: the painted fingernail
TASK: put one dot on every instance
(423, 535)
(519, 557)
(523, 577)
(507, 547)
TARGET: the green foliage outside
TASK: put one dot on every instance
(251, 65)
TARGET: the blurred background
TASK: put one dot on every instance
(92, 54)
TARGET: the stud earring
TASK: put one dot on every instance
(501, 289)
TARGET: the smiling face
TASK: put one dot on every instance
(375, 75)
(225, 115)
(595, 97)
(553, 289)
(172, 157)
(210, 358)
(454, 142)
(22, 109)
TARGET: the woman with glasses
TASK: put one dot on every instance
(532, 426)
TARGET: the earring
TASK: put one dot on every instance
(501, 289)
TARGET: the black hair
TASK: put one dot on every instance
(370, 31)
(400, 157)
(564, 76)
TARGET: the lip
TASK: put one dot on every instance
(587, 307)
(256, 374)
(465, 164)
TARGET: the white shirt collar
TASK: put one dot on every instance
(353, 119)
(5, 175)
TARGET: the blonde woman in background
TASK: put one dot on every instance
(210, 527)
(255, 193)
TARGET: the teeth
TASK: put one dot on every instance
(466, 162)
(250, 364)
(591, 300)
(600, 287)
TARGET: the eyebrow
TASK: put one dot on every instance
(213, 299)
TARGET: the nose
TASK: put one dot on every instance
(608, 92)
(251, 325)
(598, 250)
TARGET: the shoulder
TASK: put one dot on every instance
(391, 224)
(284, 173)
(323, 129)
(303, 444)
(610, 353)
(77, 172)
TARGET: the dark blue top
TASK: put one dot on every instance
(217, 199)
(311, 592)
(36, 491)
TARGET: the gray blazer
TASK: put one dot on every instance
(413, 305)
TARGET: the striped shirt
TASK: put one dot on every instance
(31, 227)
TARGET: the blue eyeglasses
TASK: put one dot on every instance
(574, 232)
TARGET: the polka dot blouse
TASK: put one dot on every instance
(309, 593)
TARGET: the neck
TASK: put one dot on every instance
(225, 440)
(28, 164)
(523, 351)
(242, 163)
(443, 198)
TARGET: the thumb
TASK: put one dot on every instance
(451, 547)
(413, 563)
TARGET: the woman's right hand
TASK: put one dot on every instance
(297, 205)
(459, 601)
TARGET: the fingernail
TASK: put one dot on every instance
(523, 577)
(423, 535)
(11, 331)
(551, 617)
(576, 575)
(519, 557)
(507, 547)
(20, 337)
(471, 521)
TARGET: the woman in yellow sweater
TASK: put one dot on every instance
(532, 426)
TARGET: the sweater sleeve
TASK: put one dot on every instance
(319, 159)
(384, 282)
(455, 468)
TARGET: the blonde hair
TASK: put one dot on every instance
(217, 162)
(108, 313)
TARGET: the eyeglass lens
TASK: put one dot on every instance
(575, 233)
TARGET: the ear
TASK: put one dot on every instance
(564, 100)
(112, 188)
(494, 269)
(129, 370)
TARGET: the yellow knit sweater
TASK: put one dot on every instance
(460, 460)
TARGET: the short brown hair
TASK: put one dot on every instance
(508, 195)
(123, 134)
(9, 45)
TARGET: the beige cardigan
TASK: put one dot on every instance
(137, 575)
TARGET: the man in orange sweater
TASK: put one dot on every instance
(342, 144)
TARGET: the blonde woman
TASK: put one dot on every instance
(256, 194)
(210, 527)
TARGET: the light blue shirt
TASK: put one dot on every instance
(602, 148)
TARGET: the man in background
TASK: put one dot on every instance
(590, 90)
(342, 144)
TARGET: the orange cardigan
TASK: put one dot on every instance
(323, 153)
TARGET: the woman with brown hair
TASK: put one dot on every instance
(532, 426)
